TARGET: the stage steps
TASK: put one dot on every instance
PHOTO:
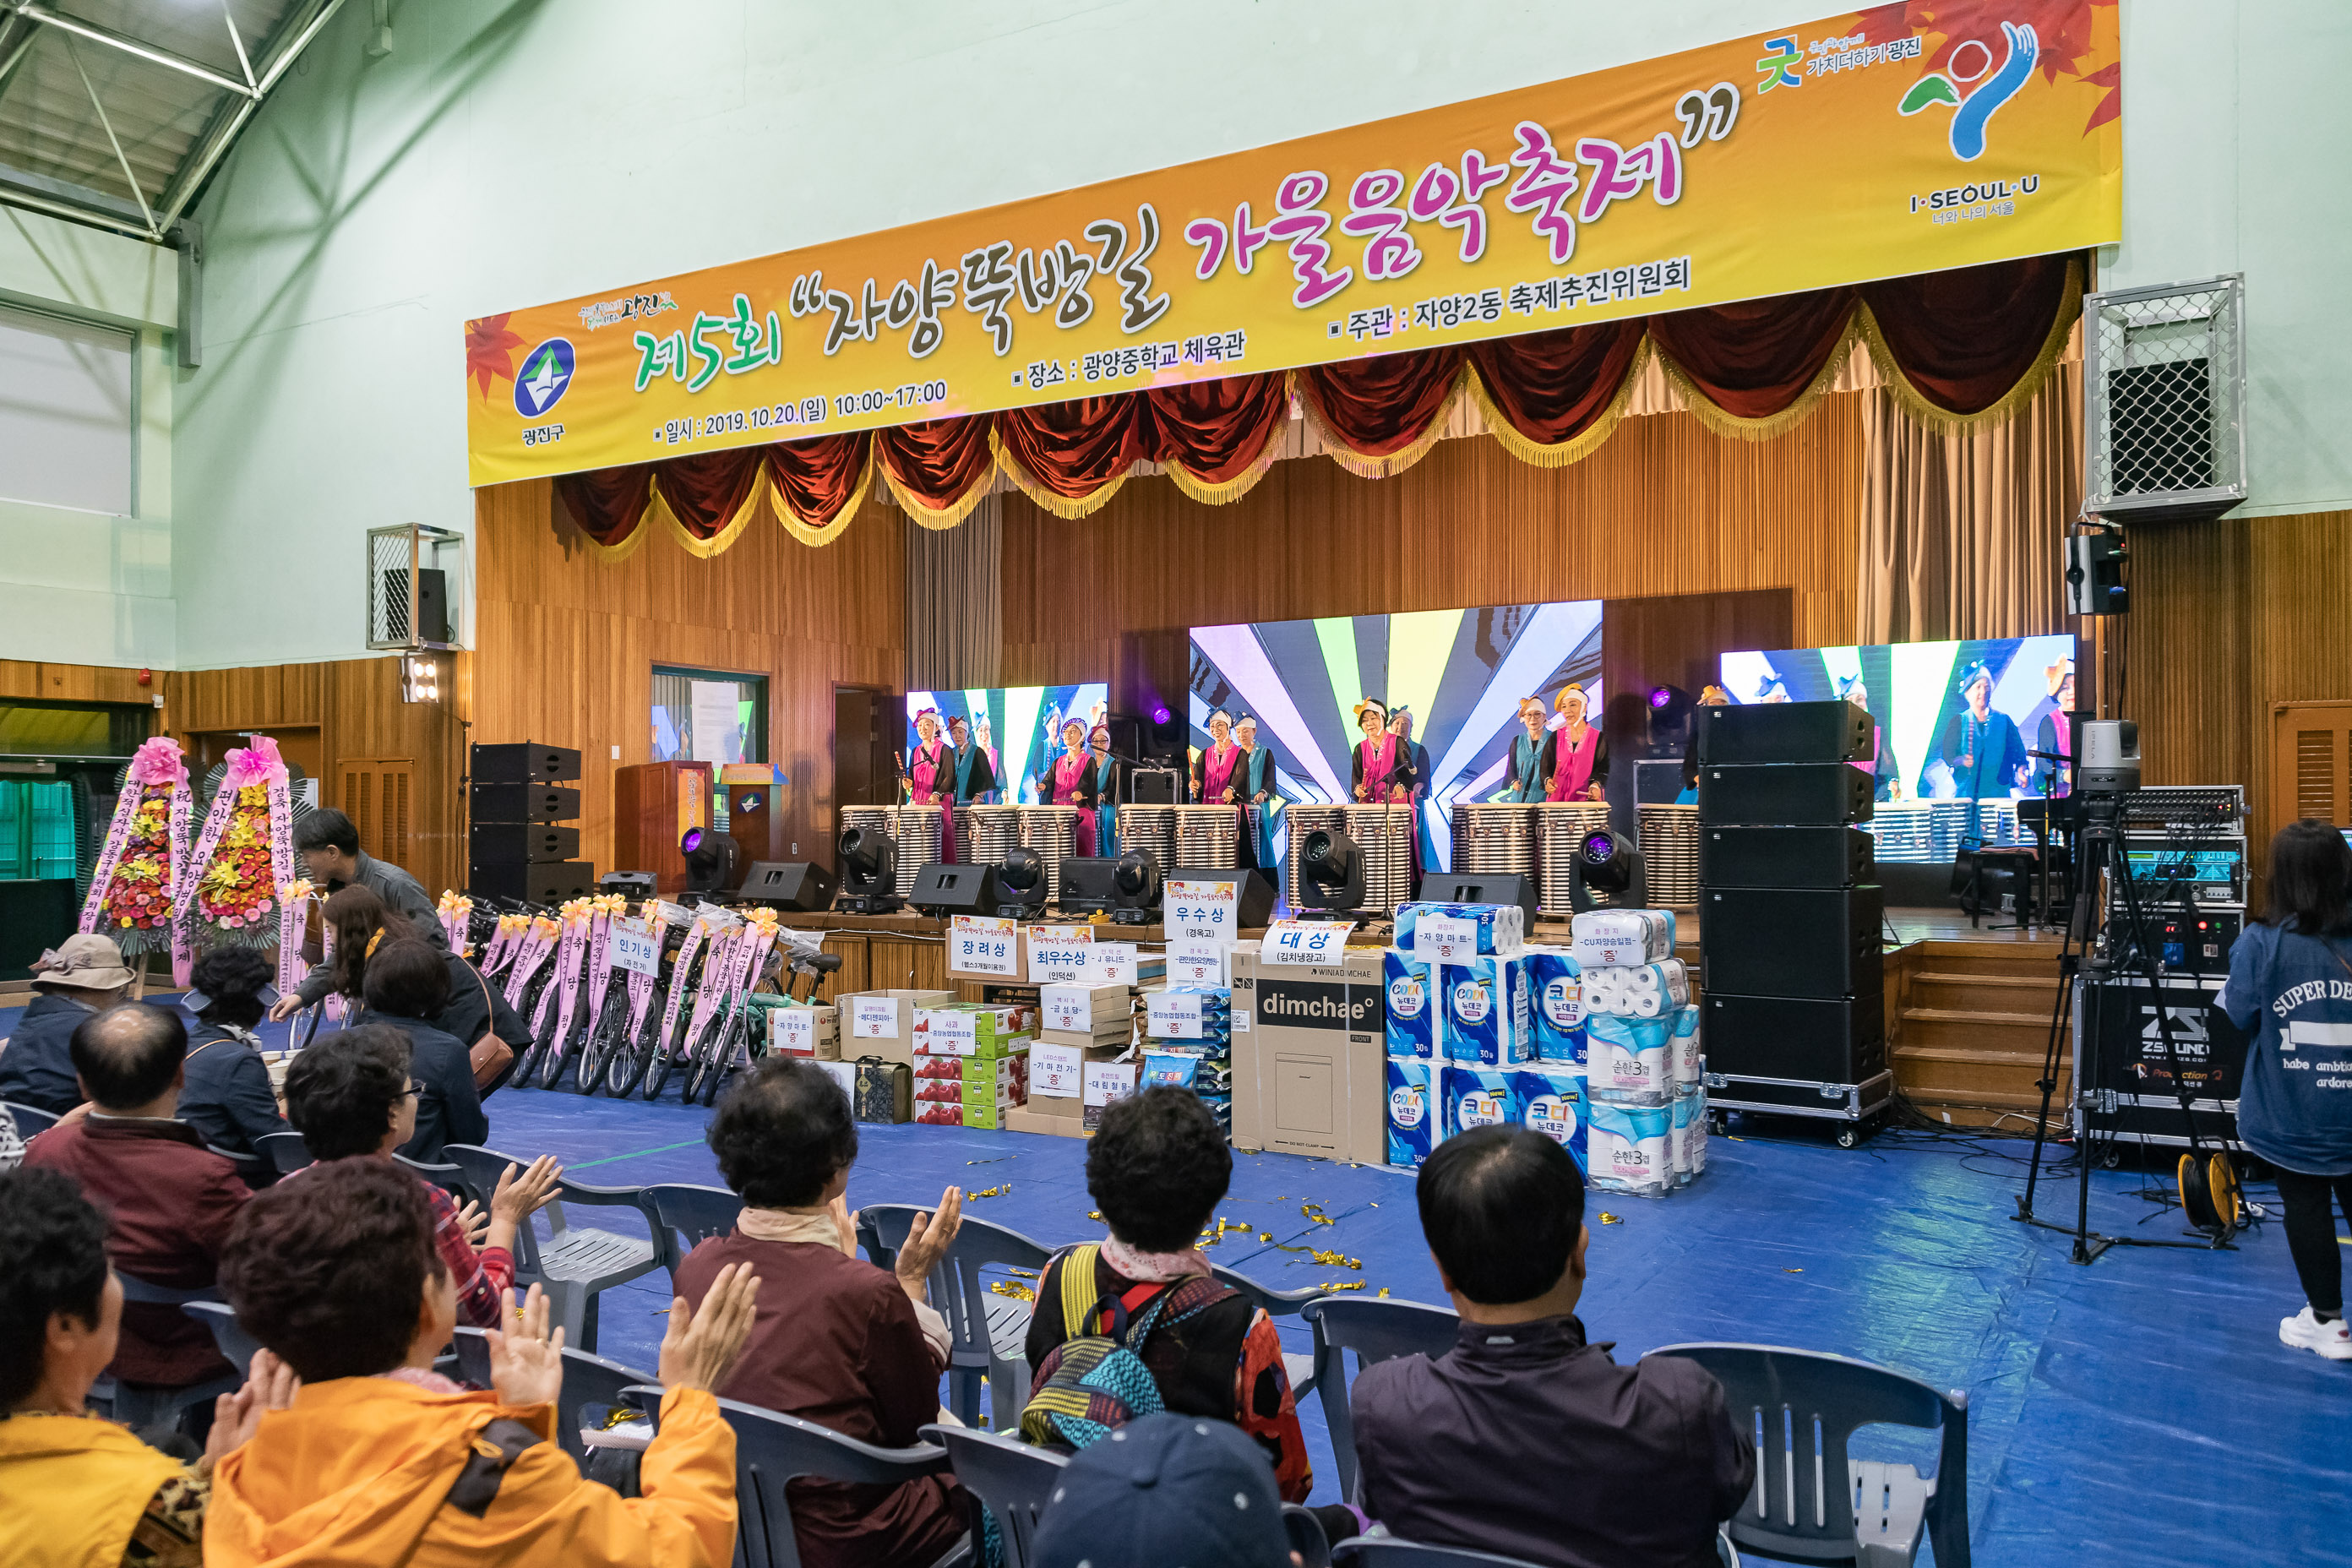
(1968, 1023)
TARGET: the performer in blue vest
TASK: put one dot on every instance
(974, 776)
(1105, 784)
(1531, 760)
(1258, 790)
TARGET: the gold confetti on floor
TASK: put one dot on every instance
(1792, 1272)
(1342, 1285)
(1384, 1293)
(1336, 1260)
(1011, 1290)
(1608, 1218)
(988, 1193)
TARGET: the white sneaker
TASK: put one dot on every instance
(2305, 1332)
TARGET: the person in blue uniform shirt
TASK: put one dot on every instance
(1529, 780)
(1978, 747)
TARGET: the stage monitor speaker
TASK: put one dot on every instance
(1154, 786)
(528, 762)
(1086, 885)
(1506, 888)
(1827, 1041)
(1833, 732)
(523, 841)
(797, 884)
(1786, 857)
(532, 882)
(942, 889)
(634, 885)
(525, 802)
(1253, 897)
(1782, 795)
(1792, 942)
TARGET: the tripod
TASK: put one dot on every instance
(2098, 849)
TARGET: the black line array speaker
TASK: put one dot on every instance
(532, 882)
(526, 762)
(540, 841)
(525, 802)
(1820, 942)
(1829, 1040)
(1782, 795)
(1786, 857)
(1785, 732)
(522, 845)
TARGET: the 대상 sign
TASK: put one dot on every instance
(1865, 145)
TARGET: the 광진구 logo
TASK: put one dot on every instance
(546, 374)
(1970, 87)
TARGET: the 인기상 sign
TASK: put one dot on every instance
(1870, 144)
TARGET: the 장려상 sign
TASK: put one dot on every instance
(1870, 144)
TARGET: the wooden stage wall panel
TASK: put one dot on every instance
(566, 644)
(1662, 507)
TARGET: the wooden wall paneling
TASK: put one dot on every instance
(2299, 594)
(1679, 637)
(27, 682)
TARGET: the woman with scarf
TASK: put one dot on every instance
(1532, 761)
(983, 736)
(1382, 770)
(1071, 782)
(1417, 756)
(975, 777)
(1579, 751)
(1105, 788)
(930, 778)
(1257, 790)
(1217, 771)
(2053, 736)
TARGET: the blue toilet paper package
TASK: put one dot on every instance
(1500, 928)
(1413, 1110)
(1552, 1101)
(1484, 1004)
(1556, 1005)
(1480, 1096)
(1630, 1148)
(1630, 1060)
(1412, 1008)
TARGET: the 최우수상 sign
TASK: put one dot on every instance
(1872, 144)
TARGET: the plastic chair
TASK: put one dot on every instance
(1014, 1480)
(250, 1168)
(227, 1332)
(575, 1264)
(284, 1149)
(684, 1217)
(473, 1356)
(450, 1179)
(1302, 1369)
(1307, 1537)
(30, 1122)
(1803, 1406)
(1376, 1331)
(772, 1450)
(986, 1332)
(1386, 1552)
(147, 1407)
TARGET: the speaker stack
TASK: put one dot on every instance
(1790, 911)
(525, 841)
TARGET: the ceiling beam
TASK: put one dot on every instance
(295, 36)
(32, 10)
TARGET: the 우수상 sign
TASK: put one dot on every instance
(1872, 144)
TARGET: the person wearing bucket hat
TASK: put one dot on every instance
(83, 975)
(1165, 1492)
(1980, 749)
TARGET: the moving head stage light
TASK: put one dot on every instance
(1020, 884)
(869, 872)
(1330, 875)
(1135, 889)
(1607, 863)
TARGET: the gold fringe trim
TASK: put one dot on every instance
(1061, 506)
(1365, 464)
(1704, 409)
(614, 554)
(718, 543)
(1943, 421)
(937, 522)
(1233, 489)
(810, 533)
(1577, 448)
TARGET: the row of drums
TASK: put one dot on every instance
(1541, 840)
(1931, 831)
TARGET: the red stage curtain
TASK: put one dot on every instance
(706, 491)
(1216, 431)
(1073, 449)
(1553, 386)
(1755, 359)
(936, 467)
(816, 480)
(1965, 338)
(1377, 408)
(607, 504)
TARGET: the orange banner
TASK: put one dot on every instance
(1901, 139)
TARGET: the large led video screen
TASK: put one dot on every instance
(1460, 673)
(1980, 721)
(1018, 726)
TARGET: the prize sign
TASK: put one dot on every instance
(1874, 143)
(635, 946)
(794, 1033)
(981, 945)
(1305, 942)
(1201, 912)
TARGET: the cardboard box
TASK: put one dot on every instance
(973, 1029)
(1083, 1009)
(805, 1031)
(1057, 1069)
(1037, 1118)
(1310, 1072)
(845, 1075)
(882, 1023)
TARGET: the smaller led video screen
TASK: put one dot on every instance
(1018, 726)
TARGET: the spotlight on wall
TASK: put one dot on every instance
(420, 678)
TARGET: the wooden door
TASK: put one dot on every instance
(376, 793)
(2311, 762)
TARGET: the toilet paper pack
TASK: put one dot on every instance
(1413, 1006)
(1556, 1005)
(1638, 991)
(1480, 1096)
(1483, 1012)
(1630, 1060)
(1688, 1056)
(1552, 1101)
(1450, 931)
(1608, 939)
(1629, 1148)
(1413, 1109)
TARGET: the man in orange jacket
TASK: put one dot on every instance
(381, 1459)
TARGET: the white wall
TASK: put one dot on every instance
(76, 587)
(512, 156)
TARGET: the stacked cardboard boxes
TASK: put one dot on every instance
(971, 1063)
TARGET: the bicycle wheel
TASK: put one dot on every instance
(722, 1060)
(597, 1050)
(564, 1045)
(536, 1052)
(666, 1051)
(710, 1051)
(633, 1054)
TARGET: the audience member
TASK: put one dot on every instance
(836, 1341)
(351, 1097)
(406, 985)
(227, 1097)
(1523, 1439)
(381, 1459)
(84, 974)
(1158, 1168)
(169, 1201)
(77, 1491)
(1173, 1490)
(362, 924)
(329, 847)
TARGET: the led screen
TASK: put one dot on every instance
(1019, 725)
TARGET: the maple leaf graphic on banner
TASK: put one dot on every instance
(489, 349)
(2064, 28)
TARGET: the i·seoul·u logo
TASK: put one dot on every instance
(546, 375)
(1973, 89)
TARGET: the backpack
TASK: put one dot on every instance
(1092, 1382)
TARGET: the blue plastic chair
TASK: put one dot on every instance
(228, 1333)
(145, 1406)
(576, 1263)
(1801, 1407)
(1014, 1480)
(1376, 1331)
(1386, 1552)
(684, 1217)
(987, 1332)
(1303, 1369)
(31, 1123)
(284, 1149)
